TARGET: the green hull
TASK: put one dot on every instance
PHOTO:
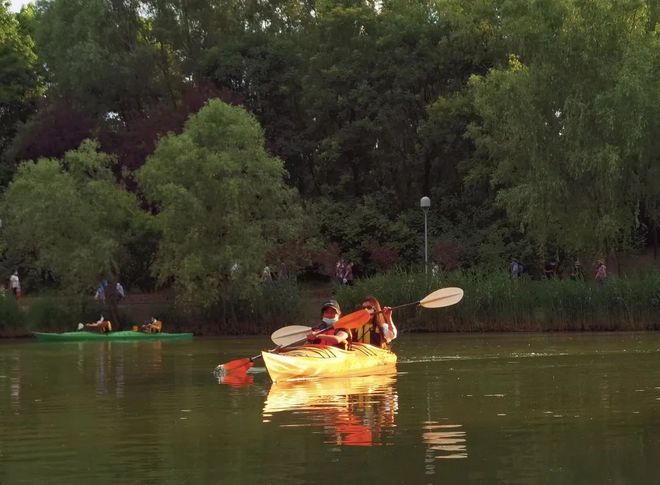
(122, 335)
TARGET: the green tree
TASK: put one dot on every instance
(221, 205)
(571, 146)
(70, 218)
(101, 56)
(20, 80)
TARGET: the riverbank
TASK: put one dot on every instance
(492, 303)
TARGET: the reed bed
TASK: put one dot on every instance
(495, 302)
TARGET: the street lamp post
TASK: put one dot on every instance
(425, 204)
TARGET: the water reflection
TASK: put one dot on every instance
(443, 441)
(356, 411)
(238, 379)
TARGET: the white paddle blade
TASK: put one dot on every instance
(289, 335)
(442, 298)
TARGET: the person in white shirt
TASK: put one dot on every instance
(15, 284)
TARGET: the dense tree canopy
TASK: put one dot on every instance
(531, 125)
(573, 146)
(19, 79)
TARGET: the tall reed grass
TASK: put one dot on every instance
(495, 302)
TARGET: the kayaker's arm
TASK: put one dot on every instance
(338, 338)
(389, 329)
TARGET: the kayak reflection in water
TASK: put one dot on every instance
(380, 330)
(355, 411)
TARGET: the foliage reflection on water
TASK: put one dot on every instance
(355, 411)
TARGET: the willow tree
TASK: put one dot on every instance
(221, 203)
(568, 125)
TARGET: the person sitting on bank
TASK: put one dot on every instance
(337, 337)
(380, 330)
(154, 326)
(100, 326)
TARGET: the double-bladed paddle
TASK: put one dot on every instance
(355, 320)
(438, 299)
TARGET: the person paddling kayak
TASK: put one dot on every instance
(337, 337)
(380, 330)
(100, 326)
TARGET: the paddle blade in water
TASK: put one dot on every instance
(442, 298)
(353, 320)
(238, 365)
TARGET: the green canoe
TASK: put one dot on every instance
(121, 335)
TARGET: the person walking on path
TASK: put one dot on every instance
(340, 268)
(348, 274)
(15, 284)
(119, 288)
(516, 268)
(101, 291)
(601, 272)
(266, 275)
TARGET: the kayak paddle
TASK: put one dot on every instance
(438, 299)
(285, 334)
(355, 319)
(296, 333)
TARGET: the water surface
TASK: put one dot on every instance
(530, 408)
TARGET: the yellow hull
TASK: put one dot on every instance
(317, 361)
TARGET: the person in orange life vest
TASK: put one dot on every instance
(154, 326)
(380, 330)
(336, 337)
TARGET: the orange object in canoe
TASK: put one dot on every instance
(317, 361)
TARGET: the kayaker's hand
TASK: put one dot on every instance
(387, 313)
(311, 336)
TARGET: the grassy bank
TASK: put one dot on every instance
(492, 303)
(260, 311)
(497, 303)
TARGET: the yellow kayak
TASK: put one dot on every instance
(316, 361)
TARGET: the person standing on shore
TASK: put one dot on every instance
(601, 272)
(348, 274)
(15, 284)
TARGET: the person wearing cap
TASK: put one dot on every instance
(326, 334)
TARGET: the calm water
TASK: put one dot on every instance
(560, 408)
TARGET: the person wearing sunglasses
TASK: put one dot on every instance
(380, 330)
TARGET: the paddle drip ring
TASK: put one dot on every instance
(219, 371)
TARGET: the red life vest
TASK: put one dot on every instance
(346, 345)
